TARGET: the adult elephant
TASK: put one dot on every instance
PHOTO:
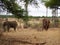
(46, 23)
(9, 24)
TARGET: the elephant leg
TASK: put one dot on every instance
(14, 28)
(5, 28)
(46, 28)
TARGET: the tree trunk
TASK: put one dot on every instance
(46, 12)
(26, 15)
(55, 18)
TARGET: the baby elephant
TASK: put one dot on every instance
(9, 24)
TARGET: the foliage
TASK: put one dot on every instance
(13, 8)
(19, 13)
(52, 3)
(9, 16)
(30, 2)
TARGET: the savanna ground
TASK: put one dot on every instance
(31, 36)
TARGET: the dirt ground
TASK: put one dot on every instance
(34, 36)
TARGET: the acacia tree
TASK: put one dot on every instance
(44, 1)
(53, 4)
(27, 2)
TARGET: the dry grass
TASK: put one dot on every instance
(51, 37)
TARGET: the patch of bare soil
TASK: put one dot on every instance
(33, 37)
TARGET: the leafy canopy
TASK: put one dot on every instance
(52, 3)
(13, 8)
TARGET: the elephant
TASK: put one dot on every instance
(9, 24)
(46, 23)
